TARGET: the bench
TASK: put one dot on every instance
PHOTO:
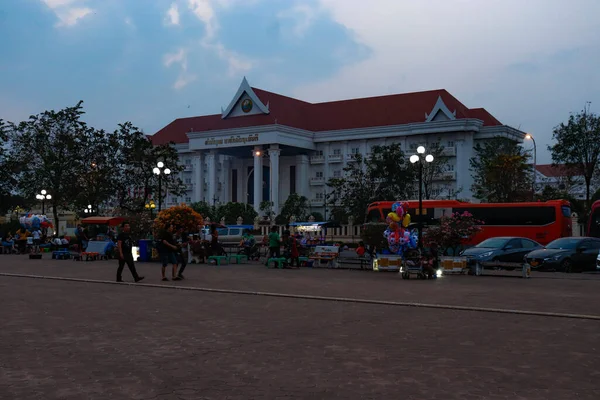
(217, 259)
(363, 262)
(63, 254)
(277, 262)
(303, 261)
(326, 255)
(238, 258)
(96, 249)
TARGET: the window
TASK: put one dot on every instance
(337, 152)
(355, 150)
(174, 200)
(319, 153)
(234, 231)
(413, 146)
(450, 168)
(515, 244)
(188, 161)
(319, 196)
(234, 188)
(528, 244)
(188, 200)
(188, 180)
(450, 143)
(566, 211)
(337, 174)
(319, 174)
(525, 216)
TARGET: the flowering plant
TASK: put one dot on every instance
(453, 231)
(181, 216)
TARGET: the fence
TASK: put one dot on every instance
(345, 233)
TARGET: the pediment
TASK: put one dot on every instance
(245, 102)
(440, 112)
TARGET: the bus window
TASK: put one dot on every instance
(566, 211)
(374, 215)
(595, 223)
(521, 216)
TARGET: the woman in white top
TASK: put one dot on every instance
(37, 239)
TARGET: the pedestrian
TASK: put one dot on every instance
(37, 240)
(274, 244)
(292, 249)
(167, 251)
(125, 257)
(183, 239)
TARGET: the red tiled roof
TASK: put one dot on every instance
(397, 109)
(556, 171)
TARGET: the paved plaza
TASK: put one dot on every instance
(85, 337)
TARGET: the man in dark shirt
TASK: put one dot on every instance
(183, 239)
(167, 250)
(124, 251)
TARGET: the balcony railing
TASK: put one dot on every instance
(317, 202)
(335, 158)
(447, 176)
(449, 151)
(317, 159)
(317, 181)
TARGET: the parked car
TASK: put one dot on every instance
(566, 254)
(598, 262)
(503, 249)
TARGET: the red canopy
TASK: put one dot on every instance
(110, 221)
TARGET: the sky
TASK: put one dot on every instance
(530, 63)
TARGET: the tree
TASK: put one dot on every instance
(135, 183)
(207, 211)
(267, 208)
(49, 149)
(180, 216)
(578, 146)
(453, 231)
(383, 176)
(295, 205)
(501, 172)
(433, 171)
(232, 211)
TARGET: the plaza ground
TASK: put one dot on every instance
(72, 339)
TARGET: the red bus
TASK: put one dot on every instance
(540, 221)
(593, 228)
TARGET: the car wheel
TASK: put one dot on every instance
(566, 266)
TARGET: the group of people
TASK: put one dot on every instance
(20, 242)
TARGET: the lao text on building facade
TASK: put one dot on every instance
(297, 146)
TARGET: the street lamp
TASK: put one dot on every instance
(418, 158)
(150, 206)
(530, 137)
(88, 209)
(160, 170)
(43, 196)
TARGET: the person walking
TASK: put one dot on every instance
(167, 250)
(183, 239)
(37, 240)
(292, 249)
(125, 257)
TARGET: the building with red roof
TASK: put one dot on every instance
(299, 146)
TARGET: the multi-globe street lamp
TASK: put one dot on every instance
(420, 158)
(150, 206)
(88, 209)
(43, 196)
(530, 137)
(160, 170)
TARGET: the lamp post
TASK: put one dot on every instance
(530, 137)
(43, 196)
(150, 206)
(160, 170)
(88, 209)
(419, 158)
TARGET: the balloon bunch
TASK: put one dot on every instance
(398, 236)
(33, 221)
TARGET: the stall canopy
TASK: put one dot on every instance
(110, 221)
(314, 226)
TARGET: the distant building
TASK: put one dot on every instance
(561, 177)
(298, 146)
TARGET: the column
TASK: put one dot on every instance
(212, 176)
(258, 167)
(198, 178)
(226, 180)
(302, 179)
(241, 188)
(326, 171)
(274, 153)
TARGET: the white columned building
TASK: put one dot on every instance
(265, 146)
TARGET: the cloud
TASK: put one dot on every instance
(236, 64)
(302, 17)
(180, 57)
(204, 11)
(68, 12)
(173, 14)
